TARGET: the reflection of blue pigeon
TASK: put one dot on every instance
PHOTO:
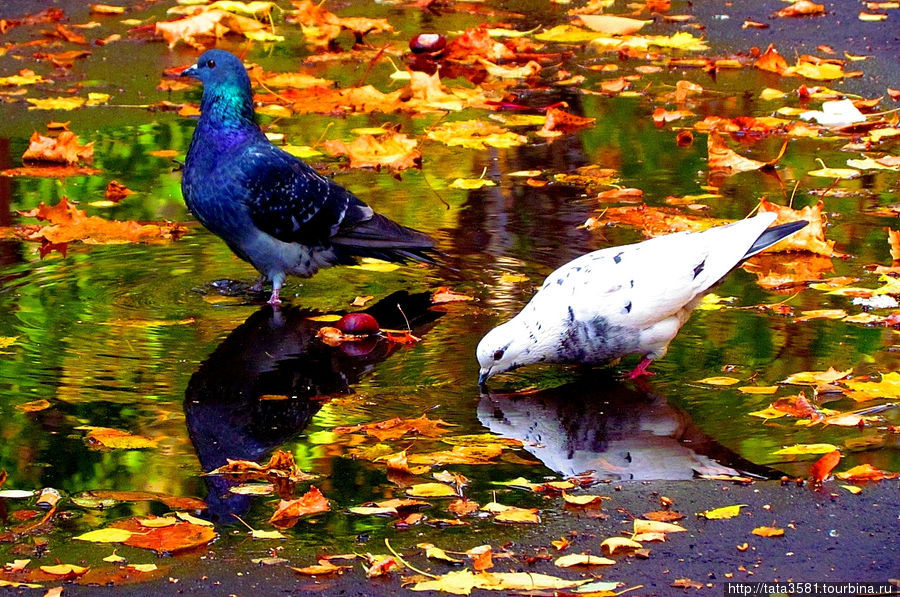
(624, 300)
(275, 353)
(272, 209)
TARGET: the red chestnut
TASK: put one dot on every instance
(427, 43)
(357, 323)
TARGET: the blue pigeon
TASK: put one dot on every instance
(624, 300)
(269, 207)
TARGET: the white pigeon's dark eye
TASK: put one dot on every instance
(211, 63)
(498, 355)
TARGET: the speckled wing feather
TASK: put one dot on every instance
(640, 284)
(292, 202)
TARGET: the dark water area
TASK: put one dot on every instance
(143, 337)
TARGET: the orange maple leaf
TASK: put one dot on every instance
(63, 149)
(289, 511)
(390, 149)
(811, 238)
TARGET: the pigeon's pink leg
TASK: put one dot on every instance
(641, 370)
(274, 300)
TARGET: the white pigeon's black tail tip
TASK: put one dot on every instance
(772, 235)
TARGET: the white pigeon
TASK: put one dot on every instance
(624, 300)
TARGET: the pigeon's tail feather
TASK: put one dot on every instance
(384, 239)
(772, 235)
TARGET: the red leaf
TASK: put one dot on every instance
(822, 467)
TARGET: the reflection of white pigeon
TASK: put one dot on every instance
(624, 300)
(604, 432)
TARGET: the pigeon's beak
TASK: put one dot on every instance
(483, 376)
(190, 71)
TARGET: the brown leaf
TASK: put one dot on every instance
(482, 557)
(477, 42)
(822, 467)
(772, 61)
(390, 149)
(63, 149)
(397, 428)
(289, 511)
(172, 538)
(116, 191)
(894, 241)
(68, 223)
(801, 8)
(559, 122)
(723, 159)
(811, 238)
(798, 406)
(445, 295)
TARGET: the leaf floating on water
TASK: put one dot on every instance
(817, 377)
(108, 535)
(289, 511)
(64, 570)
(33, 406)
(803, 449)
(431, 490)
(865, 472)
(719, 381)
(116, 439)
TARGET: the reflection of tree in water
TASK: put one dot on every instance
(10, 250)
(275, 353)
(607, 429)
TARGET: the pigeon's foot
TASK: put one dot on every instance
(641, 370)
(274, 300)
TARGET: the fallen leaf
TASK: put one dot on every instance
(582, 559)
(391, 149)
(803, 449)
(722, 159)
(289, 511)
(865, 472)
(822, 467)
(722, 513)
(768, 531)
(116, 191)
(64, 570)
(801, 8)
(436, 553)
(461, 582)
(719, 381)
(107, 535)
(431, 490)
(63, 149)
(817, 377)
(116, 439)
(323, 568)
(615, 543)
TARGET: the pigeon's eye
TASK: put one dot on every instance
(211, 63)
(498, 355)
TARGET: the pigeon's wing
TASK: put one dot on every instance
(638, 285)
(292, 202)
